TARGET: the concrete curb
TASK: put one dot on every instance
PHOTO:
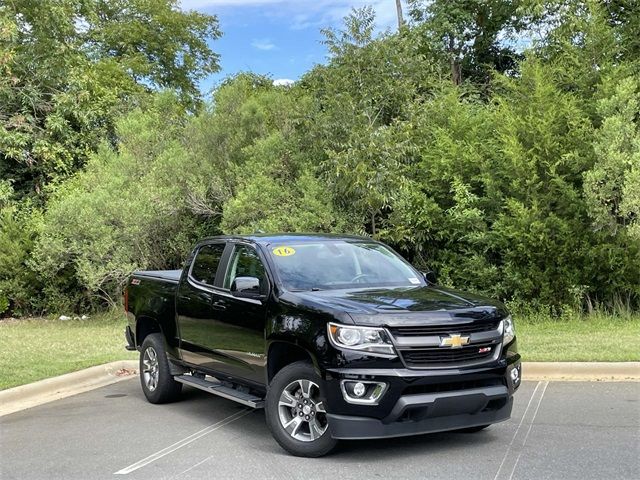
(582, 371)
(50, 389)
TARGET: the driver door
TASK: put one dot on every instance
(238, 333)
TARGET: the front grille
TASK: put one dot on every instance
(434, 330)
(421, 357)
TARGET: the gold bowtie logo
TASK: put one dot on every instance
(454, 341)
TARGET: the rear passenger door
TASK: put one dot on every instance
(194, 304)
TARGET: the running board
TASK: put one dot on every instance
(217, 388)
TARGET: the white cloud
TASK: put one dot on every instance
(306, 13)
(263, 44)
(283, 82)
(198, 4)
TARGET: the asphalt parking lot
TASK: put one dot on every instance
(559, 430)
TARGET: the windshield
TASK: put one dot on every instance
(340, 264)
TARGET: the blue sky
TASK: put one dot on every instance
(280, 38)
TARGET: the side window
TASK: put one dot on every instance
(245, 262)
(206, 263)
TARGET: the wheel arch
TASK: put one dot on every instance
(283, 352)
(146, 325)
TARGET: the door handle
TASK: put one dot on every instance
(219, 305)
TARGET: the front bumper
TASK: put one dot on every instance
(423, 401)
(428, 413)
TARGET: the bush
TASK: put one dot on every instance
(127, 210)
(19, 284)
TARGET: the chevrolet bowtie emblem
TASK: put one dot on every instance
(454, 341)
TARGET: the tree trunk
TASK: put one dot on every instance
(456, 72)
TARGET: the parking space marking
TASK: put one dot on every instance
(185, 441)
(507, 454)
(194, 466)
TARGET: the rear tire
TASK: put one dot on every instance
(157, 382)
(295, 411)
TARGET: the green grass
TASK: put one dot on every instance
(593, 338)
(33, 349)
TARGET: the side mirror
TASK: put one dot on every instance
(246, 287)
(430, 277)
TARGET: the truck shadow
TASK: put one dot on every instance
(253, 428)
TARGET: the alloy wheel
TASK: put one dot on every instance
(150, 371)
(301, 411)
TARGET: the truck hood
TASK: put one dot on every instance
(422, 305)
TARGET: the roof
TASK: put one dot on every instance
(268, 238)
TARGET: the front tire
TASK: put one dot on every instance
(295, 411)
(157, 382)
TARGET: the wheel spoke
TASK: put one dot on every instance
(315, 430)
(305, 386)
(287, 400)
(320, 407)
(293, 426)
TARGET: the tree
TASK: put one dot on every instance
(468, 34)
(70, 67)
(612, 186)
(368, 85)
(127, 209)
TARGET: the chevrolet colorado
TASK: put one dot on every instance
(336, 337)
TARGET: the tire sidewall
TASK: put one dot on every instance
(290, 373)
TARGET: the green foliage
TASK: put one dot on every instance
(260, 175)
(521, 182)
(93, 237)
(277, 192)
(612, 187)
(466, 35)
(18, 283)
(69, 68)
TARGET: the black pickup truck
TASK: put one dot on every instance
(336, 337)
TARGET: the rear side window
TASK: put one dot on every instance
(206, 263)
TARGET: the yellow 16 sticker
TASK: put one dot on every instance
(284, 251)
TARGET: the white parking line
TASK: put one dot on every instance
(520, 446)
(194, 466)
(185, 441)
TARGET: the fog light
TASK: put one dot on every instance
(515, 374)
(359, 389)
(362, 392)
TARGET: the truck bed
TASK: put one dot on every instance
(166, 275)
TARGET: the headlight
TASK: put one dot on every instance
(373, 341)
(508, 329)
